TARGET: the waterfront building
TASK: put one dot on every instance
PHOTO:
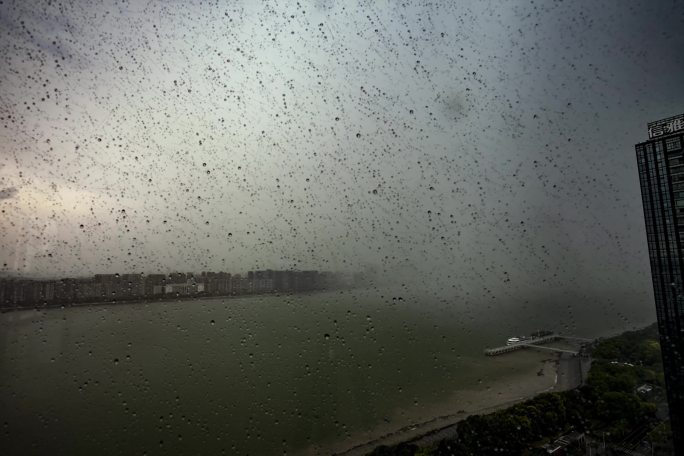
(154, 284)
(216, 283)
(107, 283)
(65, 290)
(87, 289)
(277, 281)
(209, 281)
(184, 289)
(132, 285)
(262, 281)
(48, 290)
(240, 285)
(177, 277)
(26, 292)
(223, 283)
(660, 161)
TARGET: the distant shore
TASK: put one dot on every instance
(499, 395)
(160, 299)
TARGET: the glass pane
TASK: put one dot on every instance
(302, 227)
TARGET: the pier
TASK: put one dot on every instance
(536, 343)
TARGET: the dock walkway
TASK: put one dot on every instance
(534, 343)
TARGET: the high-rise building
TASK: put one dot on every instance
(154, 284)
(661, 173)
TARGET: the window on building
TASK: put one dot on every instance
(673, 144)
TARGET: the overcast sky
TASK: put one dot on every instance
(488, 144)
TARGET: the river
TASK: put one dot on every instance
(264, 375)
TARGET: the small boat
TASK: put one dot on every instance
(513, 340)
(535, 335)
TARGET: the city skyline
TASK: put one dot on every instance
(165, 273)
(18, 293)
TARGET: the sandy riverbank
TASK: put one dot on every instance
(434, 422)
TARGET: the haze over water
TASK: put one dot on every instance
(260, 375)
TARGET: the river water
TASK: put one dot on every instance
(263, 375)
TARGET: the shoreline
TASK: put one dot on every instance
(163, 299)
(443, 425)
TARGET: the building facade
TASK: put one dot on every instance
(661, 174)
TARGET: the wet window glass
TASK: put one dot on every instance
(341, 227)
